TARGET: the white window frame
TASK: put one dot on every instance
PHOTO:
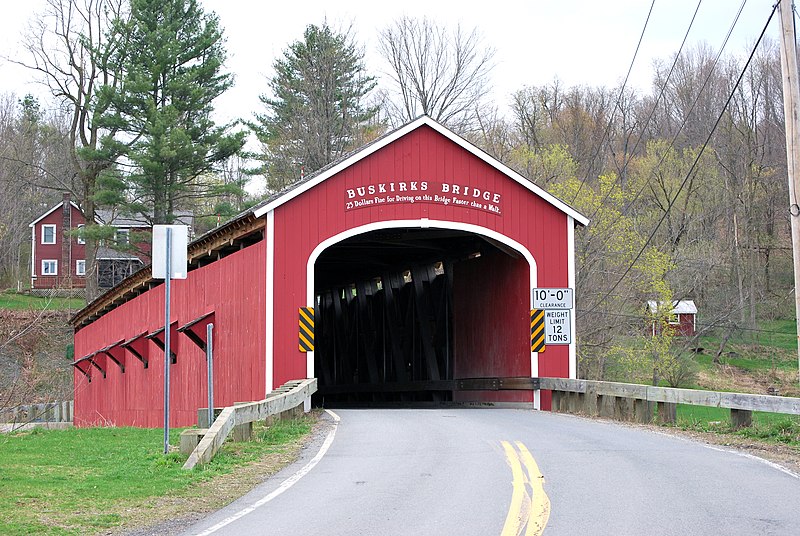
(46, 262)
(80, 239)
(44, 234)
(119, 233)
(80, 267)
(674, 319)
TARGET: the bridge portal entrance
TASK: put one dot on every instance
(405, 314)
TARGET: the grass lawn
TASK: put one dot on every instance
(89, 480)
(13, 300)
(770, 427)
(773, 347)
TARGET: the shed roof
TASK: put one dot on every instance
(680, 307)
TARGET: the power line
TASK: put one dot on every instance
(686, 116)
(619, 99)
(694, 164)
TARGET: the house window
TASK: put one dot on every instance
(674, 319)
(80, 267)
(49, 267)
(81, 240)
(48, 234)
(122, 237)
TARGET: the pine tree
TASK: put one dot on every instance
(173, 56)
(317, 109)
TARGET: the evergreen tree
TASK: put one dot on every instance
(172, 57)
(317, 110)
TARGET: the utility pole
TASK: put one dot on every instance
(791, 108)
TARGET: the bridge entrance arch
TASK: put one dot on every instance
(405, 309)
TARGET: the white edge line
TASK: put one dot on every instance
(774, 465)
(285, 485)
(700, 442)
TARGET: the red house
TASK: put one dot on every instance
(414, 257)
(58, 254)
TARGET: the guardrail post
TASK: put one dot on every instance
(590, 401)
(555, 401)
(667, 412)
(741, 418)
(573, 402)
(202, 417)
(244, 431)
(643, 411)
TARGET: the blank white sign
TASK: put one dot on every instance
(179, 238)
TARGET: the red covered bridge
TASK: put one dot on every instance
(417, 253)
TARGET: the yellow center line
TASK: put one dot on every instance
(528, 512)
(540, 505)
(517, 514)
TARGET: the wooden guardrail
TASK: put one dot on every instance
(626, 401)
(287, 398)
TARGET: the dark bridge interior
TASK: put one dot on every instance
(397, 311)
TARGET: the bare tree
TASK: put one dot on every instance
(435, 72)
(70, 46)
(34, 159)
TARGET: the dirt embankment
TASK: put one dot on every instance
(35, 356)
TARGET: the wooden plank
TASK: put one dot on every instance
(683, 396)
(624, 390)
(563, 384)
(669, 395)
(774, 404)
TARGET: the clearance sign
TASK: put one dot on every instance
(557, 305)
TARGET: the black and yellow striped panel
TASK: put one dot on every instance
(537, 330)
(306, 329)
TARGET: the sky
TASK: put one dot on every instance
(582, 42)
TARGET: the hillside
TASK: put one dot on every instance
(35, 353)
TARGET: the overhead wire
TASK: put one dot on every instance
(685, 118)
(691, 169)
(619, 99)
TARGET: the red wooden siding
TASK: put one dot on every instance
(491, 323)
(685, 325)
(234, 288)
(423, 155)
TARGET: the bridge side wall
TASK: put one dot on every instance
(234, 288)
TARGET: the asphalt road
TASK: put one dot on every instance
(467, 472)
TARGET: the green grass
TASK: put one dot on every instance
(13, 300)
(769, 427)
(87, 481)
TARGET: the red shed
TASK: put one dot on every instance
(682, 317)
(417, 254)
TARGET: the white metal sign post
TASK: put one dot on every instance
(169, 261)
(210, 364)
